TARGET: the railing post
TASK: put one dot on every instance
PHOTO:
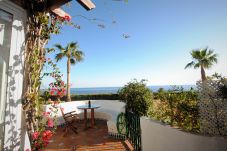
(134, 132)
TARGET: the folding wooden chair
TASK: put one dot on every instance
(70, 120)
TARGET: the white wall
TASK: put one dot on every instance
(158, 137)
(13, 124)
(111, 107)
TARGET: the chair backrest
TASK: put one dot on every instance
(62, 112)
(61, 109)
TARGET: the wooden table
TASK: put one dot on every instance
(92, 107)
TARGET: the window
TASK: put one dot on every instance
(5, 38)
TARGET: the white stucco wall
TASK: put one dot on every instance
(13, 124)
(109, 109)
(158, 137)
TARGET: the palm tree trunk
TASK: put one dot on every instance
(68, 80)
(203, 75)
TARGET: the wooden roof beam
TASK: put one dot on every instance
(87, 4)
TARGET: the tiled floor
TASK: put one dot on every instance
(93, 139)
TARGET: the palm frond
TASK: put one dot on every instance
(195, 54)
(72, 61)
(48, 50)
(213, 58)
(79, 56)
(196, 65)
(203, 52)
(59, 47)
(189, 65)
(72, 45)
(210, 52)
(59, 56)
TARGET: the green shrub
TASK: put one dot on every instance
(46, 96)
(95, 97)
(177, 108)
(137, 97)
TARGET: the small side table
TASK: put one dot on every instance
(92, 107)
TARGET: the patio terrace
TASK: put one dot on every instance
(92, 139)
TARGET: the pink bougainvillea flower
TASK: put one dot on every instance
(46, 113)
(47, 135)
(50, 123)
(59, 93)
(45, 143)
(35, 135)
(51, 92)
(37, 145)
(27, 150)
(68, 18)
(52, 89)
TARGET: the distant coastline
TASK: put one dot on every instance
(113, 90)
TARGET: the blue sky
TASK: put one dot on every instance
(162, 34)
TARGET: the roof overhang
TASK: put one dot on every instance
(54, 6)
(87, 4)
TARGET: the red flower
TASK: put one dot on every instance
(46, 113)
(51, 92)
(37, 145)
(68, 18)
(45, 143)
(50, 122)
(47, 135)
(35, 135)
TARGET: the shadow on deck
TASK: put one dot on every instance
(92, 139)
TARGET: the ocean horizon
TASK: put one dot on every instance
(113, 90)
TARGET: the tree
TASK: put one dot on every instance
(73, 56)
(203, 58)
(137, 96)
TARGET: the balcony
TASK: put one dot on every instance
(92, 139)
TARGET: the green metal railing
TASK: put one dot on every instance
(133, 130)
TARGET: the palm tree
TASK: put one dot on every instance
(73, 56)
(203, 58)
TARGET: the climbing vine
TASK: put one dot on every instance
(41, 23)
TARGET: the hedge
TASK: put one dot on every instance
(88, 97)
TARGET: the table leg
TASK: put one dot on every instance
(92, 118)
(85, 119)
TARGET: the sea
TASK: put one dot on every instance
(113, 90)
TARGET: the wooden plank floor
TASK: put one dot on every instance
(93, 139)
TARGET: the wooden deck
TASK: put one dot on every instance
(92, 139)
